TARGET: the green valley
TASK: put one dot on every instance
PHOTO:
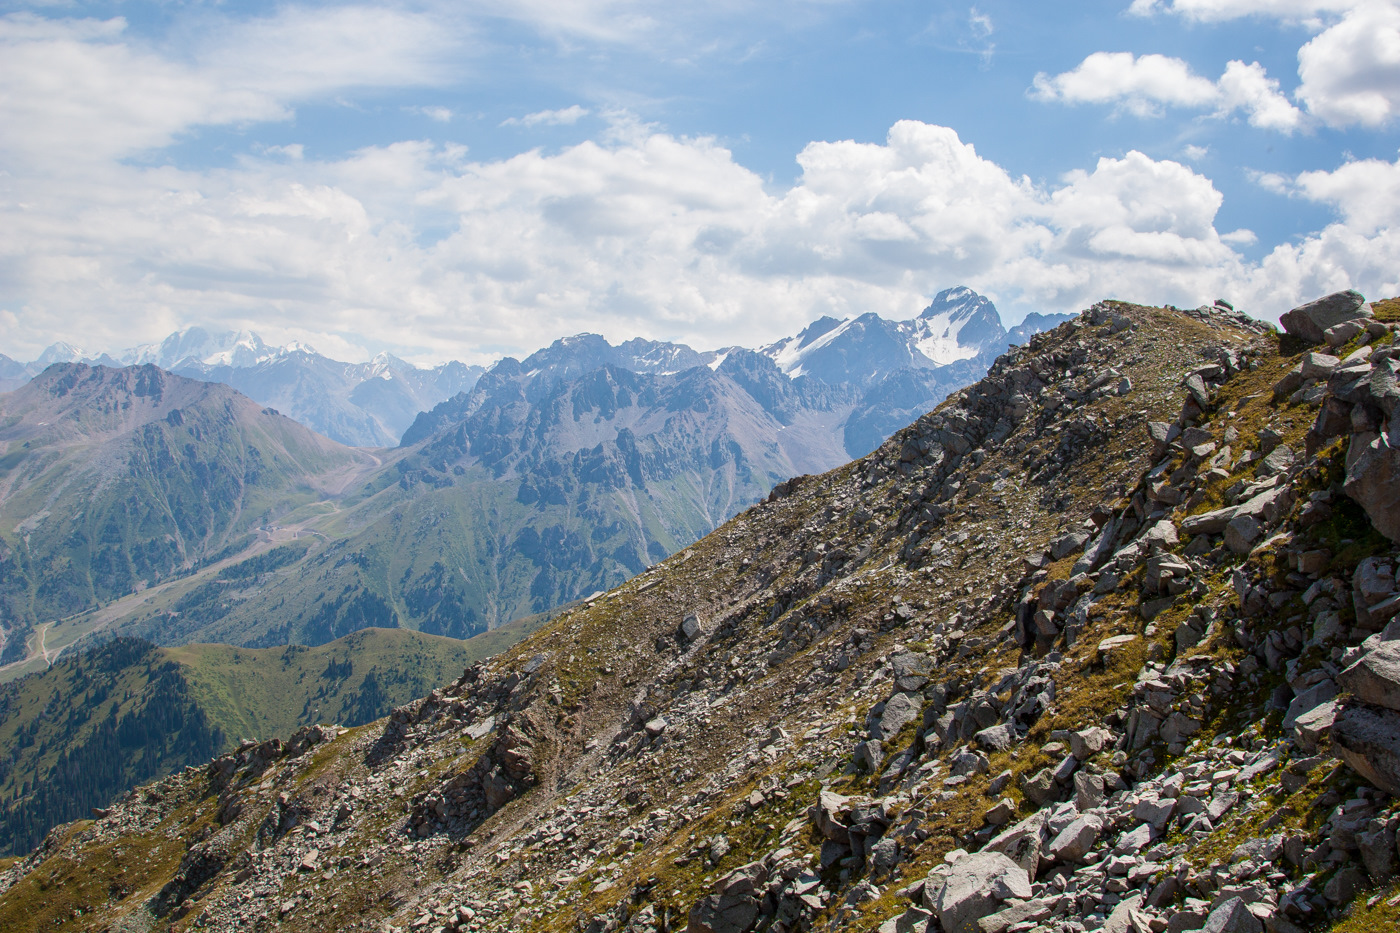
(96, 723)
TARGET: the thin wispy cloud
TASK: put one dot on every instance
(436, 114)
(566, 116)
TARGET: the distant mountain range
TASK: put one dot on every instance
(372, 404)
(358, 404)
(211, 518)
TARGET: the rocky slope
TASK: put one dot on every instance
(1105, 642)
(98, 722)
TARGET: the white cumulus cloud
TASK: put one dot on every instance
(1361, 249)
(1351, 71)
(435, 113)
(635, 232)
(1143, 85)
(1250, 89)
(650, 234)
(84, 90)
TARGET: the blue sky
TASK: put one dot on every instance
(466, 179)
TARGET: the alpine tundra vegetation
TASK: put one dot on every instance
(1109, 640)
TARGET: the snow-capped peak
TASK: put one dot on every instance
(792, 354)
(196, 347)
(61, 352)
(958, 325)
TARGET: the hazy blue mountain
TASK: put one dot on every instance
(1034, 323)
(523, 494)
(13, 374)
(357, 404)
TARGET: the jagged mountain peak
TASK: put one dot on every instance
(958, 325)
(360, 404)
(569, 357)
(199, 346)
(61, 352)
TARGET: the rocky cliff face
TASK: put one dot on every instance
(1104, 642)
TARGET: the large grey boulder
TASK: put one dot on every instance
(975, 887)
(1309, 699)
(1022, 913)
(830, 816)
(1121, 919)
(1368, 739)
(1373, 481)
(1233, 916)
(1087, 743)
(1076, 839)
(1021, 843)
(900, 710)
(724, 913)
(1155, 811)
(1311, 321)
(1310, 727)
(1162, 533)
(1242, 532)
(1375, 677)
(1319, 365)
(911, 671)
(733, 908)
(996, 738)
(1068, 543)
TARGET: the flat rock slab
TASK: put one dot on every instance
(976, 887)
(1215, 522)
(1233, 916)
(1076, 839)
(900, 710)
(1375, 677)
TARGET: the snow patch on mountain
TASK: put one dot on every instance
(936, 332)
(792, 354)
(958, 325)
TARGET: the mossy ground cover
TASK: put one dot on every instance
(1374, 910)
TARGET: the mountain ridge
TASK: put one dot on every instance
(1033, 663)
(373, 404)
(158, 472)
(553, 477)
